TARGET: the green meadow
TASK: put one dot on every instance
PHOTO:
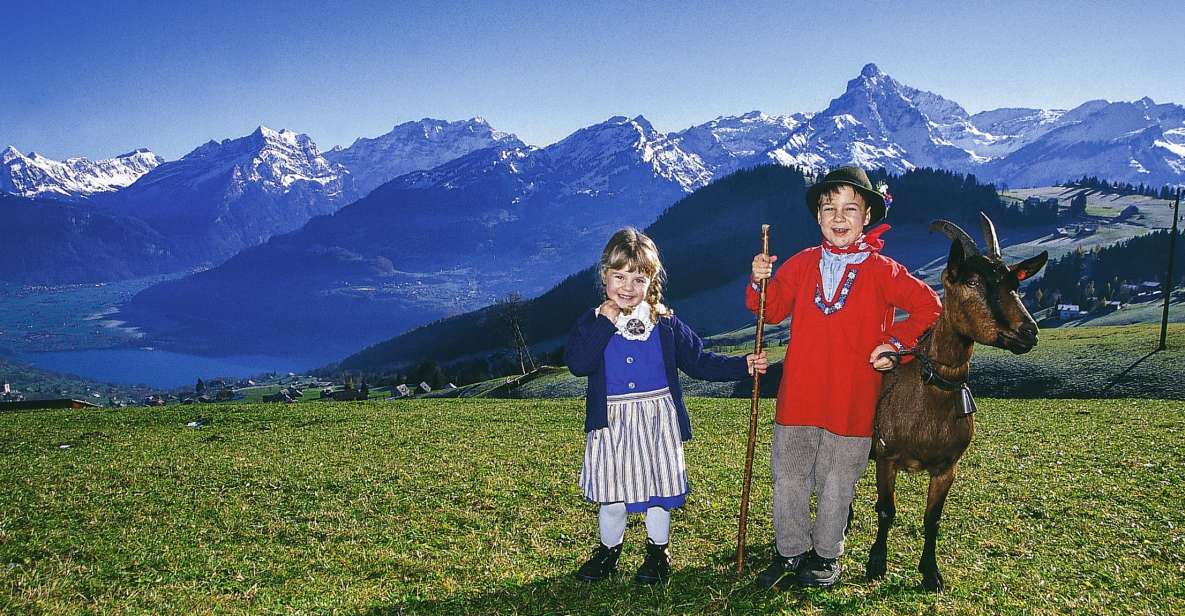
(1069, 362)
(471, 506)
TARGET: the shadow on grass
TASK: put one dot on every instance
(709, 588)
(1119, 377)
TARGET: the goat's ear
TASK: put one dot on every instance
(1029, 267)
(955, 261)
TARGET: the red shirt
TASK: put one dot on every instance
(827, 380)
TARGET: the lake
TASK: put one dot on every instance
(163, 369)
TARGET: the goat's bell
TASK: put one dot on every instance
(966, 401)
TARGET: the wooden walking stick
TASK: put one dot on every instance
(744, 521)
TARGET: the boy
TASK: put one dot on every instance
(841, 296)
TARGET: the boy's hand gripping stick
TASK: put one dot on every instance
(744, 517)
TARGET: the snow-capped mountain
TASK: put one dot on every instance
(877, 122)
(606, 157)
(728, 143)
(880, 122)
(614, 157)
(273, 160)
(412, 146)
(1137, 142)
(1003, 131)
(517, 164)
(430, 243)
(74, 178)
(227, 195)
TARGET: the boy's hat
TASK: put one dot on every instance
(856, 178)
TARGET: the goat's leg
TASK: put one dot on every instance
(935, 499)
(886, 511)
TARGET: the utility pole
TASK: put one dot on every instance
(1168, 279)
(510, 309)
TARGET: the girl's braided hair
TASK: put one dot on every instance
(631, 250)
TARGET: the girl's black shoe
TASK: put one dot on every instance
(600, 565)
(657, 566)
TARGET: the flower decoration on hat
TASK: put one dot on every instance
(883, 189)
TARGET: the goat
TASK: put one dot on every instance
(924, 416)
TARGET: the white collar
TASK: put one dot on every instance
(636, 326)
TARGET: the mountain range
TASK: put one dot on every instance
(412, 146)
(876, 122)
(436, 218)
(73, 179)
(54, 242)
(213, 202)
(879, 122)
(226, 196)
(503, 219)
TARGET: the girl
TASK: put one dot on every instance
(635, 420)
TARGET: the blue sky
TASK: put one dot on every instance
(98, 79)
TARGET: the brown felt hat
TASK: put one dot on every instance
(855, 177)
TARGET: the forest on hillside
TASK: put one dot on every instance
(706, 240)
(1119, 272)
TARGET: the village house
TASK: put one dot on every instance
(8, 394)
(279, 396)
(59, 403)
(1068, 312)
(1149, 289)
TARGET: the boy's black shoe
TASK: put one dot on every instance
(781, 571)
(600, 565)
(657, 566)
(819, 572)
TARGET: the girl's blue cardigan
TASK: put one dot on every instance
(681, 348)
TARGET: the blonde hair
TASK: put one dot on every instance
(631, 250)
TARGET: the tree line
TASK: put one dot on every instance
(1089, 278)
(1122, 188)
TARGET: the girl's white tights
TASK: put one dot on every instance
(612, 519)
(658, 525)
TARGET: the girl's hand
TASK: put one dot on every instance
(882, 363)
(763, 266)
(757, 363)
(610, 310)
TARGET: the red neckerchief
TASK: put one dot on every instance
(867, 242)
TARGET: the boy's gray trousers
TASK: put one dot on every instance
(806, 459)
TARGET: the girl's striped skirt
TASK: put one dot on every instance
(638, 458)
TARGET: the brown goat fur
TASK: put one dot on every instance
(921, 426)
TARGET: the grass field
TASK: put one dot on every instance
(1075, 362)
(470, 506)
(1088, 362)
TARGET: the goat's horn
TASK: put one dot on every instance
(989, 236)
(954, 232)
